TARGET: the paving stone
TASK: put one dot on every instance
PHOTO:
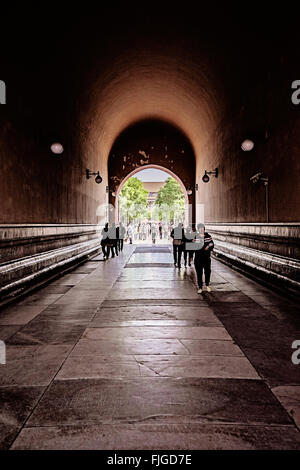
(153, 284)
(143, 293)
(16, 404)
(86, 347)
(7, 332)
(226, 297)
(40, 299)
(289, 396)
(144, 302)
(159, 437)
(71, 279)
(54, 289)
(157, 312)
(204, 322)
(149, 265)
(212, 333)
(158, 400)
(197, 366)
(32, 365)
(205, 347)
(68, 314)
(48, 332)
(99, 366)
(20, 315)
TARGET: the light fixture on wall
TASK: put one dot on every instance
(247, 145)
(214, 173)
(57, 148)
(90, 173)
(189, 192)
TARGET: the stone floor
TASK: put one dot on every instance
(124, 354)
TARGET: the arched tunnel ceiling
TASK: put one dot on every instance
(157, 86)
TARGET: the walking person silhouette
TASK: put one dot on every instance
(188, 253)
(177, 234)
(122, 233)
(203, 248)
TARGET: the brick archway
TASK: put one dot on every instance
(152, 144)
(188, 216)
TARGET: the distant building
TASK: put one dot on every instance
(153, 189)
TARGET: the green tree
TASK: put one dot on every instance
(171, 201)
(133, 202)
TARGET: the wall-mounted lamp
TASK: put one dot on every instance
(259, 177)
(189, 192)
(57, 148)
(247, 145)
(90, 173)
(214, 173)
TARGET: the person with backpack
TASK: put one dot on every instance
(203, 247)
(188, 253)
(177, 234)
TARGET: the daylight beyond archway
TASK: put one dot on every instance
(150, 204)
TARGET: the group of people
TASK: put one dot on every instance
(193, 245)
(112, 240)
(145, 230)
(197, 245)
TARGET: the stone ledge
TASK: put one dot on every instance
(278, 239)
(18, 274)
(19, 241)
(275, 270)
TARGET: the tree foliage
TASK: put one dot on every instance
(171, 201)
(133, 200)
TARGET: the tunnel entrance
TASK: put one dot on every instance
(152, 144)
(152, 200)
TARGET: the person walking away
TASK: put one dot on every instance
(122, 233)
(160, 230)
(114, 237)
(153, 233)
(130, 234)
(177, 234)
(104, 240)
(189, 237)
(111, 242)
(203, 247)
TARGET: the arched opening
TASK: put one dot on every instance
(187, 207)
(152, 144)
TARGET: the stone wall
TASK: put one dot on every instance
(270, 252)
(31, 254)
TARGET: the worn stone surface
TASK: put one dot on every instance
(48, 332)
(16, 404)
(19, 314)
(186, 436)
(32, 365)
(289, 396)
(164, 400)
(7, 332)
(155, 365)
